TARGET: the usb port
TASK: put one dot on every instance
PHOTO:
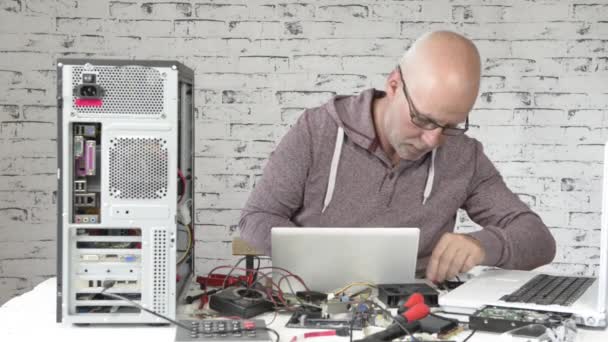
(80, 185)
(79, 129)
(85, 200)
(88, 131)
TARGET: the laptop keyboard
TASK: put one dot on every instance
(546, 289)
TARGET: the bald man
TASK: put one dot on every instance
(400, 158)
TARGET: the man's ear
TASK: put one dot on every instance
(393, 83)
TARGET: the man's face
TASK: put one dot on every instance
(409, 140)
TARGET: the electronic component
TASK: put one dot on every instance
(78, 146)
(80, 185)
(499, 319)
(223, 330)
(89, 157)
(312, 296)
(86, 219)
(433, 324)
(89, 77)
(311, 318)
(88, 199)
(241, 302)
(528, 333)
(85, 130)
(109, 258)
(81, 167)
(338, 314)
(392, 294)
(89, 91)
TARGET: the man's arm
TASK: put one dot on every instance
(280, 191)
(513, 236)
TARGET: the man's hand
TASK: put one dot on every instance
(454, 253)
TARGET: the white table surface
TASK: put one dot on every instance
(31, 317)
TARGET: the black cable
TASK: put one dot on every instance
(255, 274)
(276, 313)
(109, 283)
(145, 309)
(352, 324)
(386, 312)
(258, 268)
(470, 335)
(272, 331)
(237, 265)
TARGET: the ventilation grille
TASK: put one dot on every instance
(160, 297)
(128, 90)
(138, 168)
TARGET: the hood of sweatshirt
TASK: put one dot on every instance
(358, 127)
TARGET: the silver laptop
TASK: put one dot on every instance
(584, 297)
(330, 258)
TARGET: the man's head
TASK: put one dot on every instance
(435, 84)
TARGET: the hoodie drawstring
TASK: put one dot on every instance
(334, 168)
(428, 187)
(331, 184)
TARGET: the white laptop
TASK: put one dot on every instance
(330, 258)
(488, 288)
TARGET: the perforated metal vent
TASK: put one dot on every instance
(128, 90)
(159, 300)
(138, 168)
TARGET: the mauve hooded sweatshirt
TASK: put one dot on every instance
(330, 171)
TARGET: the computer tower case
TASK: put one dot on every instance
(125, 188)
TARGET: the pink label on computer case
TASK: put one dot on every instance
(89, 102)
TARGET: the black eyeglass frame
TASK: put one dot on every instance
(423, 121)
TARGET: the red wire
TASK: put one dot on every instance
(314, 334)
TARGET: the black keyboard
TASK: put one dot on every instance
(546, 289)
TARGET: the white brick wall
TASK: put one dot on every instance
(542, 111)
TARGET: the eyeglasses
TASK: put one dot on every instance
(427, 123)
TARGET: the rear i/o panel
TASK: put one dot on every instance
(87, 177)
